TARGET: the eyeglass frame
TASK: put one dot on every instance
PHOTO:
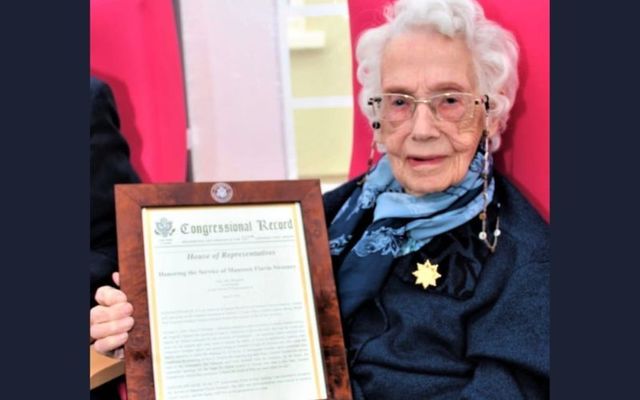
(484, 99)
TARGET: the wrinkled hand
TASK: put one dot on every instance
(111, 319)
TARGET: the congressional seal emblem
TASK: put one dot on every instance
(221, 192)
(164, 228)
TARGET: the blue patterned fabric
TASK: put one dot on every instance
(402, 223)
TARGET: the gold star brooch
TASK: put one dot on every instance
(426, 274)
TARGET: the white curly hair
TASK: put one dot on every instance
(494, 51)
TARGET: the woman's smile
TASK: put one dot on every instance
(419, 162)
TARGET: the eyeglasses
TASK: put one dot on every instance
(451, 107)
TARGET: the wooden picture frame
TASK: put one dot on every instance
(134, 201)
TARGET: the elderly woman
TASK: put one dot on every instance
(441, 265)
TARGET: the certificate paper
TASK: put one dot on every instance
(231, 308)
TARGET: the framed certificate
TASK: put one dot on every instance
(233, 292)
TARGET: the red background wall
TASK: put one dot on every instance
(134, 48)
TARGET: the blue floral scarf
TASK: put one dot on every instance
(402, 223)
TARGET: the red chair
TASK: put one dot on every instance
(524, 154)
(134, 48)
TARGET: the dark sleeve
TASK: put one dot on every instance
(510, 341)
(109, 164)
(334, 199)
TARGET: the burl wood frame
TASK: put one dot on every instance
(132, 198)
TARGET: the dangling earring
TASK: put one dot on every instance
(375, 125)
(486, 147)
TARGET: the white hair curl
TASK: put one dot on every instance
(494, 50)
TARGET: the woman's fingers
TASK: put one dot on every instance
(107, 296)
(111, 328)
(100, 314)
(111, 319)
(110, 343)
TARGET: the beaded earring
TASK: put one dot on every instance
(375, 125)
(486, 148)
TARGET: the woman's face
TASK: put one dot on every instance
(427, 155)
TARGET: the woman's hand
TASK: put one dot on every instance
(111, 319)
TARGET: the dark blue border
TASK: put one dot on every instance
(44, 199)
(595, 149)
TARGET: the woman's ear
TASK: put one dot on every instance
(493, 126)
(493, 122)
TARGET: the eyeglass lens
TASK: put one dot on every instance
(451, 107)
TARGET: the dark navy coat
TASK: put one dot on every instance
(482, 333)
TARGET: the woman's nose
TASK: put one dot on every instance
(424, 122)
